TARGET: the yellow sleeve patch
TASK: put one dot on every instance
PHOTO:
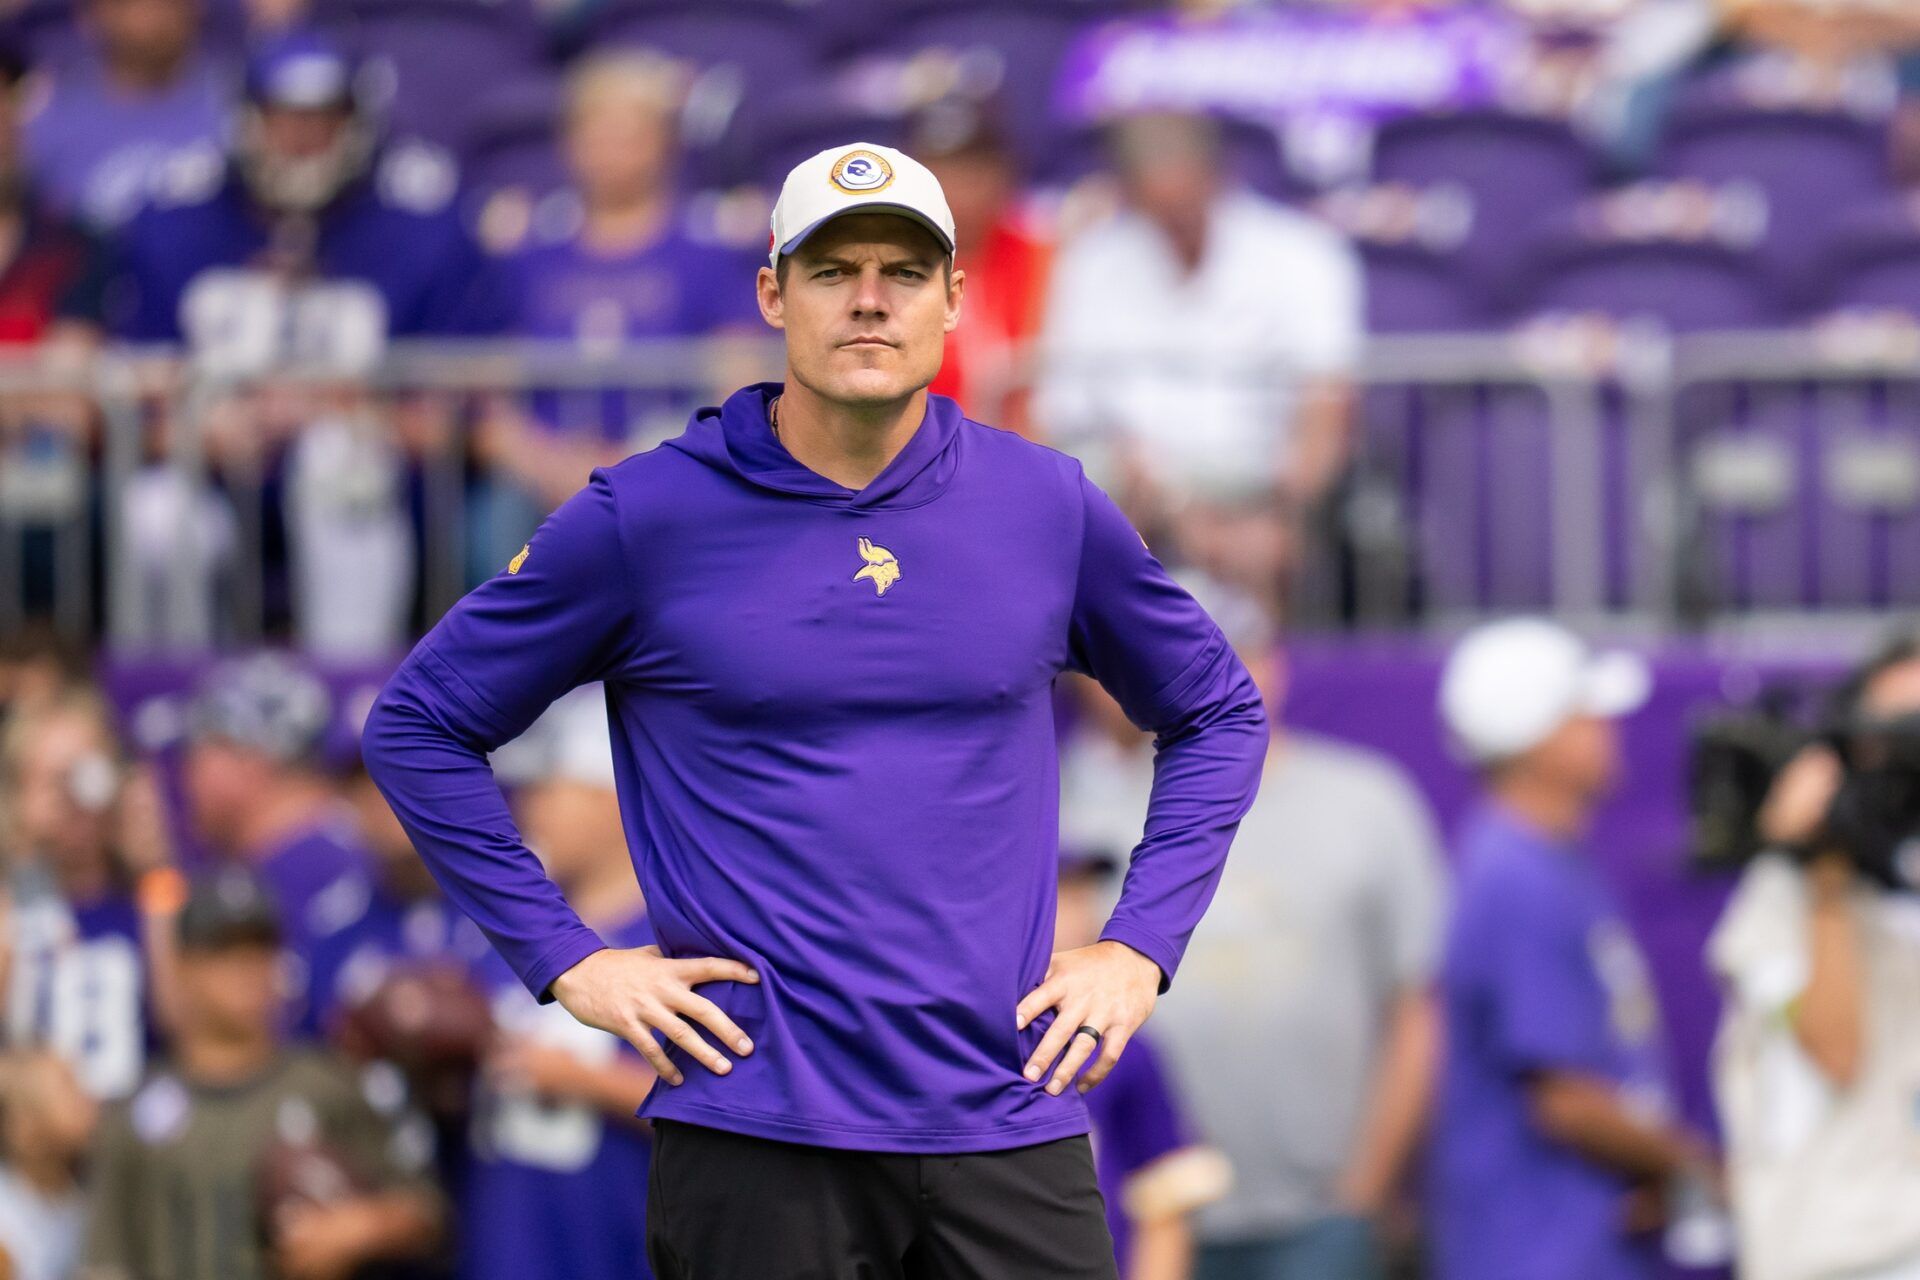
(513, 565)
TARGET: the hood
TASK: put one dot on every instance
(737, 438)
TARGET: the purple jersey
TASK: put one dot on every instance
(98, 154)
(78, 986)
(1135, 1123)
(321, 880)
(1540, 975)
(833, 734)
(554, 1190)
(351, 964)
(675, 287)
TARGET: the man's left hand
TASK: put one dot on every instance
(1108, 986)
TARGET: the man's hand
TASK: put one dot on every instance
(1796, 807)
(632, 994)
(1108, 986)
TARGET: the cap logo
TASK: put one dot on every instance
(858, 172)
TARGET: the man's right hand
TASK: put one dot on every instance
(632, 994)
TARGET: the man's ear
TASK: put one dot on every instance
(767, 291)
(954, 290)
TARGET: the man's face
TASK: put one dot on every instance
(1582, 755)
(231, 992)
(618, 151)
(865, 307)
(152, 33)
(51, 813)
(222, 782)
(299, 133)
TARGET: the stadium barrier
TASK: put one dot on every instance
(1616, 476)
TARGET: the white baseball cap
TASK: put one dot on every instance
(1508, 685)
(860, 175)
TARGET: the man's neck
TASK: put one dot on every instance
(621, 226)
(279, 814)
(143, 76)
(219, 1061)
(848, 444)
(1555, 811)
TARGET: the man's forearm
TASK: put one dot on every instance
(444, 793)
(1828, 1017)
(1588, 1115)
(1402, 1090)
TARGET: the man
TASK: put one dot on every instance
(144, 111)
(558, 1161)
(1819, 1044)
(612, 262)
(256, 795)
(1555, 1133)
(1153, 1175)
(74, 940)
(829, 617)
(1201, 342)
(313, 246)
(1315, 967)
(186, 1177)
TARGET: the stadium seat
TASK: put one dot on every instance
(1519, 171)
(439, 52)
(510, 138)
(1417, 278)
(1683, 286)
(1812, 167)
(1872, 263)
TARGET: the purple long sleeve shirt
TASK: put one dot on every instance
(834, 744)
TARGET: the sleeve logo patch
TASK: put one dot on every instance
(513, 565)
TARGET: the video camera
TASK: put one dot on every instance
(1874, 820)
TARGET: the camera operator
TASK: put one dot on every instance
(1817, 1067)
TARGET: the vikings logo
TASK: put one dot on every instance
(882, 569)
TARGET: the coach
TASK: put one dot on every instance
(829, 617)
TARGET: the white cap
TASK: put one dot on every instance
(860, 175)
(1508, 685)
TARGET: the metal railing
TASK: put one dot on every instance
(1611, 475)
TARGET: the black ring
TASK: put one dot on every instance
(1089, 1031)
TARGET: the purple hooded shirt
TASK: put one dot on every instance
(834, 742)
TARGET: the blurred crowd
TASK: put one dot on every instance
(1178, 227)
(244, 1034)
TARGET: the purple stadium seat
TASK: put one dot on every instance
(1871, 264)
(1252, 150)
(510, 139)
(773, 43)
(1418, 280)
(1520, 171)
(1683, 285)
(440, 52)
(1811, 166)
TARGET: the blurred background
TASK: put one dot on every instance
(1381, 318)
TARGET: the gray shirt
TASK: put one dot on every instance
(1330, 907)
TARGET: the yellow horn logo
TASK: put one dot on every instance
(881, 568)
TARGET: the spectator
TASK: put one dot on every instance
(1820, 1039)
(559, 1162)
(1315, 966)
(143, 114)
(1004, 256)
(1203, 339)
(46, 1122)
(615, 263)
(257, 797)
(240, 1158)
(75, 941)
(1555, 1134)
(314, 243)
(1152, 1175)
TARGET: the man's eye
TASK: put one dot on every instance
(826, 272)
(908, 273)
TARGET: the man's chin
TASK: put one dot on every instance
(871, 388)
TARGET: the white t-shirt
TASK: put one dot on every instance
(1825, 1182)
(40, 1236)
(1201, 370)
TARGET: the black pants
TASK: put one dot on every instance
(725, 1206)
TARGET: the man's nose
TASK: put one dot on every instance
(870, 298)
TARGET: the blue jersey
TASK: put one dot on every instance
(78, 987)
(554, 1190)
(395, 238)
